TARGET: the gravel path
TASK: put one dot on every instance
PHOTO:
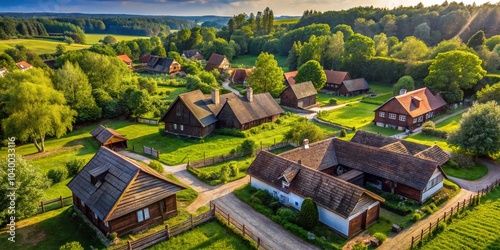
(273, 234)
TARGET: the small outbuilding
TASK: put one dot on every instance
(109, 138)
(301, 95)
(354, 87)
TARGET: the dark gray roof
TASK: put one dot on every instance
(356, 84)
(336, 195)
(107, 134)
(97, 130)
(262, 106)
(303, 90)
(160, 64)
(126, 186)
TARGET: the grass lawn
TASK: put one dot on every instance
(429, 141)
(383, 93)
(211, 235)
(352, 115)
(471, 174)
(450, 124)
(51, 230)
(477, 228)
(243, 163)
(94, 38)
(248, 61)
(39, 46)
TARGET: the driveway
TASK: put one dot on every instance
(225, 85)
(273, 234)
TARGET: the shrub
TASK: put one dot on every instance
(112, 236)
(452, 164)
(275, 205)
(353, 128)
(57, 174)
(230, 132)
(233, 166)
(359, 246)
(435, 132)
(156, 165)
(308, 216)
(225, 173)
(463, 161)
(264, 196)
(74, 166)
(247, 147)
(416, 217)
(74, 245)
(427, 210)
(287, 214)
(441, 226)
(295, 229)
(429, 124)
(333, 101)
(255, 200)
(380, 236)
(343, 133)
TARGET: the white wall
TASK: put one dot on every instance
(432, 191)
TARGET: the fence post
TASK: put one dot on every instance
(411, 247)
(430, 228)
(62, 201)
(129, 244)
(167, 230)
(451, 213)
(422, 235)
(444, 217)
(43, 207)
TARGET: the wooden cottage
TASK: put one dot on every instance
(415, 176)
(334, 79)
(164, 65)
(342, 206)
(353, 87)
(109, 137)
(300, 95)
(193, 54)
(219, 62)
(120, 195)
(240, 76)
(409, 110)
(197, 115)
(23, 65)
(126, 60)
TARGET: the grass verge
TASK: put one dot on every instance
(471, 174)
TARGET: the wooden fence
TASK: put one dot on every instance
(168, 232)
(221, 158)
(55, 204)
(241, 228)
(151, 151)
(147, 121)
(453, 210)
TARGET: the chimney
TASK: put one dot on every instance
(300, 162)
(215, 96)
(250, 94)
(402, 91)
(306, 143)
(416, 101)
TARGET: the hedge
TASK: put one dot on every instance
(435, 132)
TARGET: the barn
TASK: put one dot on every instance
(109, 137)
(301, 95)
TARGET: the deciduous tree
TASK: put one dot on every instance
(489, 93)
(405, 82)
(267, 75)
(311, 71)
(358, 49)
(479, 130)
(304, 129)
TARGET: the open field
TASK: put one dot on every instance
(39, 46)
(477, 228)
(211, 235)
(383, 93)
(286, 21)
(429, 141)
(51, 230)
(248, 61)
(94, 38)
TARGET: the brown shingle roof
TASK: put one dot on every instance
(319, 156)
(428, 102)
(214, 61)
(192, 53)
(262, 106)
(126, 185)
(290, 77)
(356, 84)
(434, 153)
(240, 75)
(303, 90)
(336, 195)
(336, 77)
(107, 134)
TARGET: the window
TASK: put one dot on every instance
(143, 214)
(429, 115)
(392, 116)
(182, 127)
(178, 111)
(296, 204)
(275, 194)
(420, 118)
(402, 118)
(175, 126)
(415, 120)
(106, 224)
(381, 114)
(434, 182)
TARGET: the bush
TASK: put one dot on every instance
(235, 170)
(441, 226)
(295, 229)
(230, 132)
(264, 196)
(463, 161)
(112, 236)
(359, 246)
(435, 132)
(452, 164)
(309, 215)
(333, 101)
(156, 165)
(225, 173)
(74, 166)
(74, 245)
(287, 214)
(247, 147)
(255, 200)
(343, 133)
(380, 236)
(275, 205)
(429, 124)
(57, 174)
(416, 217)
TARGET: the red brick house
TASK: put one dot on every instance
(353, 87)
(219, 62)
(120, 195)
(164, 65)
(409, 110)
(299, 95)
(197, 115)
(126, 60)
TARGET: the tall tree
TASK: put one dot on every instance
(345, 29)
(293, 56)
(30, 183)
(381, 46)
(358, 49)
(412, 49)
(311, 71)
(479, 130)
(476, 40)
(489, 93)
(335, 51)
(36, 111)
(405, 82)
(454, 71)
(267, 75)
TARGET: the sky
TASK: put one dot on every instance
(201, 7)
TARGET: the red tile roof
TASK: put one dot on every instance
(23, 65)
(290, 77)
(423, 97)
(125, 58)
